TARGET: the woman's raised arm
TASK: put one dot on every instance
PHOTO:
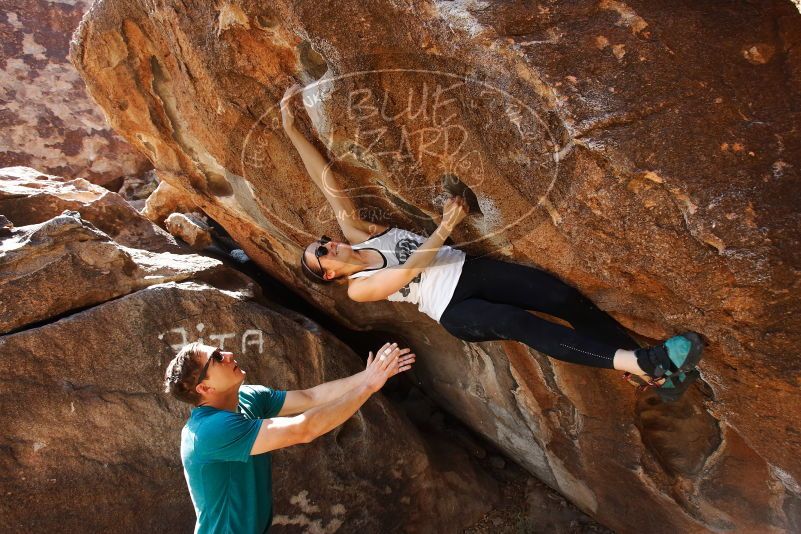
(325, 178)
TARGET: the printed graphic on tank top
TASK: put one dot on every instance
(432, 289)
(403, 250)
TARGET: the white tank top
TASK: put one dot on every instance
(432, 289)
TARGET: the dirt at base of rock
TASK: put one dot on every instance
(528, 505)
(525, 504)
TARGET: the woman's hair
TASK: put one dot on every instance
(182, 372)
(310, 273)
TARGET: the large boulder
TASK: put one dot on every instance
(66, 264)
(28, 196)
(48, 120)
(190, 228)
(87, 325)
(90, 441)
(645, 154)
(165, 201)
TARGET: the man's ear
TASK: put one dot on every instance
(203, 389)
(329, 275)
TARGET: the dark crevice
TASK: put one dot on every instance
(314, 64)
(361, 342)
(453, 185)
(60, 316)
(403, 390)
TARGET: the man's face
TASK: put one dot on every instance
(221, 375)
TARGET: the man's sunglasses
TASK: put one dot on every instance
(216, 356)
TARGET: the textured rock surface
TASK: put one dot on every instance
(5, 225)
(137, 189)
(91, 436)
(65, 264)
(48, 121)
(30, 197)
(190, 228)
(648, 154)
(164, 201)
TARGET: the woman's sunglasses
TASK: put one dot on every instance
(321, 251)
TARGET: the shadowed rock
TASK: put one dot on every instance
(90, 443)
(5, 226)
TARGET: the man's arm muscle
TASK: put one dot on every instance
(282, 432)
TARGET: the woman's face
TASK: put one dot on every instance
(338, 255)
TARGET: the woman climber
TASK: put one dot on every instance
(478, 299)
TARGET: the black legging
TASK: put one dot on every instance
(490, 303)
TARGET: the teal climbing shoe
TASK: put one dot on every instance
(675, 386)
(679, 354)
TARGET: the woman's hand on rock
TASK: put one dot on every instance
(454, 211)
(287, 113)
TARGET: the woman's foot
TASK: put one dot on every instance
(679, 354)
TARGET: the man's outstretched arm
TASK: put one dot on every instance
(279, 432)
(305, 399)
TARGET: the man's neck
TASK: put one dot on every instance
(228, 401)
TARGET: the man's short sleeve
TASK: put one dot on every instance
(269, 400)
(227, 436)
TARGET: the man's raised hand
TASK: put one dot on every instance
(388, 361)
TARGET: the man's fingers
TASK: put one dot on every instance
(390, 360)
(384, 354)
(400, 352)
(370, 358)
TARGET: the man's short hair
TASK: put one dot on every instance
(182, 372)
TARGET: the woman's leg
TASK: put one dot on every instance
(530, 288)
(475, 319)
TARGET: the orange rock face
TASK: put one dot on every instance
(645, 154)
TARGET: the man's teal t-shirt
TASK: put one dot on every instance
(230, 489)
